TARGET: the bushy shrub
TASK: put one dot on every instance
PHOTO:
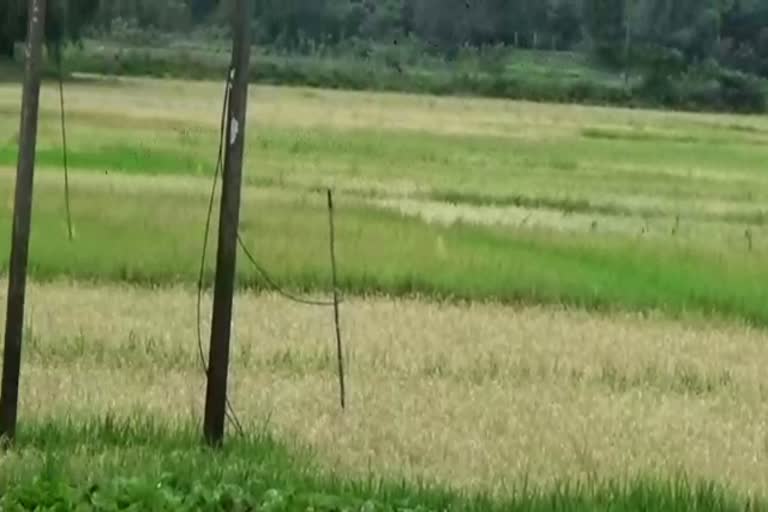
(741, 92)
(708, 88)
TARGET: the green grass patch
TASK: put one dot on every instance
(571, 175)
(656, 136)
(117, 158)
(150, 236)
(580, 160)
(111, 464)
(129, 230)
(291, 163)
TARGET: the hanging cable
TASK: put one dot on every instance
(62, 111)
(273, 284)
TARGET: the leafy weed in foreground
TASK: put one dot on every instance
(113, 464)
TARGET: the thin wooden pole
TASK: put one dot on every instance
(229, 219)
(22, 223)
(334, 277)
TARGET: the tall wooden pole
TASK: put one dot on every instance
(22, 222)
(229, 219)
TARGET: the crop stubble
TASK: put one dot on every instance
(479, 396)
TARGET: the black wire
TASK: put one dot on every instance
(65, 152)
(251, 258)
(206, 236)
(273, 284)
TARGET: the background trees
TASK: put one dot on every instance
(65, 19)
(626, 34)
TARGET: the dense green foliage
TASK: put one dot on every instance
(734, 33)
(573, 82)
(691, 54)
(65, 20)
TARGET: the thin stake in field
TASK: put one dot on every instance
(334, 278)
(22, 224)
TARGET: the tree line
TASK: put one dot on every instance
(618, 32)
(731, 32)
(666, 42)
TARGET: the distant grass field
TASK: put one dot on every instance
(592, 207)
(150, 232)
(489, 151)
(510, 274)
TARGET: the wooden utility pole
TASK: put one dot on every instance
(22, 222)
(229, 219)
